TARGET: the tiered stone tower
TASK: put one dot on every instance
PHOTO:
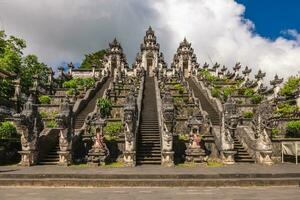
(115, 58)
(150, 52)
(185, 60)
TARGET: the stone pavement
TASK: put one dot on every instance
(190, 193)
(154, 169)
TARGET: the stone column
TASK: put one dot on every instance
(64, 120)
(168, 117)
(130, 118)
(29, 124)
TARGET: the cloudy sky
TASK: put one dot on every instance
(220, 30)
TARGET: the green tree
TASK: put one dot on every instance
(92, 59)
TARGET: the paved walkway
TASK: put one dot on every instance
(245, 193)
(230, 169)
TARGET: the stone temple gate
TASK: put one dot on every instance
(153, 114)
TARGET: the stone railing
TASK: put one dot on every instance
(166, 135)
(246, 136)
(216, 103)
(131, 121)
(81, 104)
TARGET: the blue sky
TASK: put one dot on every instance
(271, 17)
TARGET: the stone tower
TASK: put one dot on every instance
(150, 52)
(115, 58)
(185, 60)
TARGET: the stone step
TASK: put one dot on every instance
(48, 163)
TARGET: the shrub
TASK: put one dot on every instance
(44, 114)
(44, 99)
(52, 124)
(105, 106)
(248, 115)
(286, 109)
(183, 137)
(208, 76)
(179, 87)
(249, 92)
(227, 91)
(290, 86)
(256, 99)
(293, 129)
(70, 84)
(275, 132)
(88, 82)
(7, 130)
(215, 92)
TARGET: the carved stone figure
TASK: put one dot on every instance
(29, 124)
(64, 120)
(130, 118)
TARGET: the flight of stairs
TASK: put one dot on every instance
(242, 155)
(52, 158)
(79, 120)
(148, 139)
(206, 105)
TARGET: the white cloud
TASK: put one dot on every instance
(65, 30)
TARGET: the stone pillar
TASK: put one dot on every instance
(64, 120)
(168, 117)
(29, 124)
(130, 118)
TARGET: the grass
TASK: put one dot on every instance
(214, 164)
(186, 165)
(114, 165)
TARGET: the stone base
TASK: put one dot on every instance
(97, 158)
(264, 158)
(167, 159)
(228, 157)
(129, 159)
(65, 158)
(28, 158)
(195, 155)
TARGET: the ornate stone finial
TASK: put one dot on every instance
(223, 69)
(237, 67)
(276, 80)
(246, 71)
(216, 66)
(205, 66)
(260, 75)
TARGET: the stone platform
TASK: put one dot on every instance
(151, 176)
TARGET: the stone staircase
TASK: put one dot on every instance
(79, 120)
(206, 105)
(242, 155)
(148, 139)
(52, 158)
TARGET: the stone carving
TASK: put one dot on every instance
(262, 123)
(99, 152)
(64, 120)
(198, 127)
(130, 118)
(230, 119)
(29, 124)
(168, 117)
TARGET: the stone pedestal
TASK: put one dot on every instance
(129, 158)
(228, 157)
(28, 158)
(65, 158)
(97, 157)
(167, 158)
(195, 155)
(264, 157)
